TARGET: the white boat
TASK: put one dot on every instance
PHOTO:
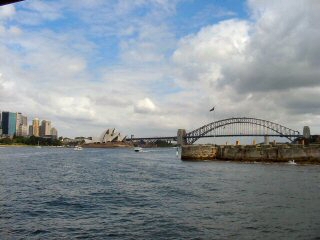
(292, 162)
(38, 146)
(77, 148)
(138, 149)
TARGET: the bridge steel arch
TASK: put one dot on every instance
(279, 130)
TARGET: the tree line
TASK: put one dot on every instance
(32, 140)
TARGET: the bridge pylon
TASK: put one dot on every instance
(181, 137)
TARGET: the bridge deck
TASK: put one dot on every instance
(211, 136)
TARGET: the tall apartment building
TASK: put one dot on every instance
(21, 125)
(0, 123)
(35, 127)
(30, 130)
(45, 129)
(9, 120)
(54, 133)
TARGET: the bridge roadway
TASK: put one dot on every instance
(208, 136)
(153, 139)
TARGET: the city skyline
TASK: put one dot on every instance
(149, 68)
(17, 124)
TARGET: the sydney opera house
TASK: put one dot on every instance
(109, 138)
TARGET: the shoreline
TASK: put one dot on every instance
(15, 145)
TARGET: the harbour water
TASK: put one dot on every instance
(58, 193)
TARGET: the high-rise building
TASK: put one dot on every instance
(18, 124)
(0, 123)
(21, 125)
(25, 129)
(35, 127)
(54, 133)
(30, 130)
(45, 128)
(9, 120)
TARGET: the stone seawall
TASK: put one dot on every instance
(198, 152)
(253, 153)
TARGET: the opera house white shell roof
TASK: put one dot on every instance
(109, 135)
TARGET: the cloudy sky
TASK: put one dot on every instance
(149, 67)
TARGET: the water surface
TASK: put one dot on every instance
(57, 193)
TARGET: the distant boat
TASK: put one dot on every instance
(38, 146)
(138, 149)
(78, 148)
(292, 162)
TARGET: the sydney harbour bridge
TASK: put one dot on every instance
(230, 127)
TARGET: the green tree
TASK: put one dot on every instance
(6, 141)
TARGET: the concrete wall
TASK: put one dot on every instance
(264, 153)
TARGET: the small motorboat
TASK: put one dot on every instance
(292, 162)
(77, 148)
(38, 146)
(138, 149)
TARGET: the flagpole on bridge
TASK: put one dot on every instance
(214, 130)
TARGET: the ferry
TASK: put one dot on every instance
(138, 149)
(77, 148)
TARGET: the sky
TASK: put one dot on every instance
(150, 67)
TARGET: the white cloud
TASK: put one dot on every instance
(284, 47)
(15, 31)
(249, 67)
(37, 12)
(7, 11)
(145, 106)
(6, 87)
(201, 57)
